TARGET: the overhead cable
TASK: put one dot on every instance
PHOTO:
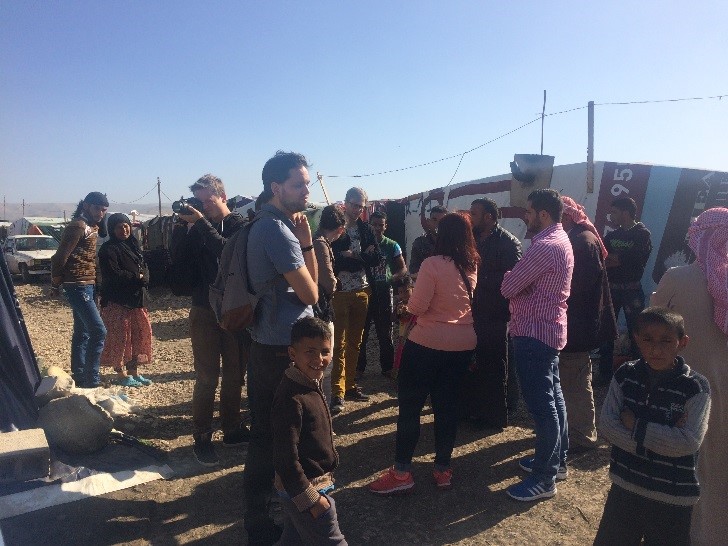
(462, 154)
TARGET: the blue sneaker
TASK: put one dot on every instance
(143, 380)
(530, 490)
(527, 464)
(128, 381)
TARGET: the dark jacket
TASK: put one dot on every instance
(201, 247)
(121, 264)
(499, 252)
(303, 443)
(633, 246)
(590, 315)
(422, 248)
(366, 260)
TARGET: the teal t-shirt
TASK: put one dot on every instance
(382, 272)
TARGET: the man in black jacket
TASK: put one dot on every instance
(198, 240)
(490, 388)
(355, 253)
(629, 247)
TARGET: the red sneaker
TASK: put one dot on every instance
(443, 479)
(392, 482)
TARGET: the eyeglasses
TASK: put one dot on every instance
(355, 206)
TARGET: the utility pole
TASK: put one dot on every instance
(590, 149)
(159, 196)
(23, 208)
(543, 112)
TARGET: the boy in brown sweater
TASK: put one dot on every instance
(303, 445)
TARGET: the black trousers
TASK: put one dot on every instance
(379, 312)
(632, 302)
(265, 371)
(438, 373)
(484, 394)
(628, 518)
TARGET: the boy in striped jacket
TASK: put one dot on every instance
(655, 416)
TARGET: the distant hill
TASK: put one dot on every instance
(14, 211)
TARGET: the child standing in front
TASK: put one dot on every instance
(303, 444)
(655, 415)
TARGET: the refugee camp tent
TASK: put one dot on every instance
(19, 373)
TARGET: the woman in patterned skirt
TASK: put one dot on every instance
(124, 281)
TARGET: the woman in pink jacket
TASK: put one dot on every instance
(436, 353)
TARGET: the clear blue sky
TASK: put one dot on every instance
(102, 95)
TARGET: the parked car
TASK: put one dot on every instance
(29, 255)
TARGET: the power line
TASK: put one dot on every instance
(135, 200)
(436, 160)
(719, 97)
(463, 154)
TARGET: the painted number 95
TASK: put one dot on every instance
(624, 175)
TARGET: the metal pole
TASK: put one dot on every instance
(159, 196)
(590, 149)
(543, 112)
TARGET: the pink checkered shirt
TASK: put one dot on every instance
(538, 287)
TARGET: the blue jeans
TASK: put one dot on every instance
(89, 334)
(537, 366)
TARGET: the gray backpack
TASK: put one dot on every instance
(231, 297)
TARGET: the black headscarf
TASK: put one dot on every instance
(131, 245)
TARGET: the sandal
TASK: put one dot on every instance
(143, 380)
(129, 381)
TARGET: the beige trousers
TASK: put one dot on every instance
(575, 372)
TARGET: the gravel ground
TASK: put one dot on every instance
(205, 507)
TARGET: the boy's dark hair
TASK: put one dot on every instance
(488, 205)
(548, 200)
(332, 217)
(661, 316)
(626, 204)
(438, 209)
(309, 327)
(379, 214)
(277, 169)
(400, 281)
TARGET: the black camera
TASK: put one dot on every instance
(180, 207)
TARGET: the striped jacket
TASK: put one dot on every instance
(657, 458)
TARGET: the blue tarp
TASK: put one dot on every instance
(19, 373)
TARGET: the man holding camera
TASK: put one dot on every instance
(197, 243)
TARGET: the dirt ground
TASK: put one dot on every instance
(198, 506)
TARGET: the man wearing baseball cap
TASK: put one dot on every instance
(73, 267)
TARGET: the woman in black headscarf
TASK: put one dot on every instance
(124, 281)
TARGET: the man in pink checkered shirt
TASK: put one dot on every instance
(538, 287)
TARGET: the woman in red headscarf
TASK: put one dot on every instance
(699, 292)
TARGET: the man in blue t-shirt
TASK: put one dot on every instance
(282, 271)
(380, 306)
